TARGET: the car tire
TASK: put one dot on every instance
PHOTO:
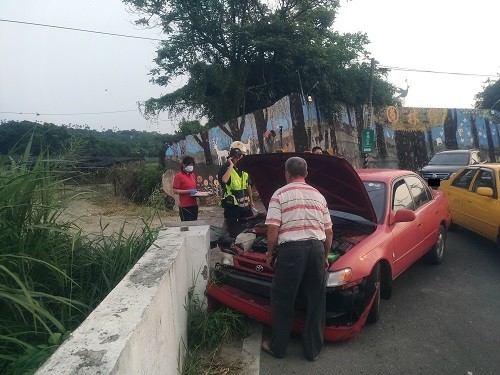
(436, 253)
(373, 286)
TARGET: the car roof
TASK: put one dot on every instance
(456, 151)
(495, 166)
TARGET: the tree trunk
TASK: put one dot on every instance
(333, 135)
(235, 129)
(358, 113)
(431, 142)
(261, 118)
(382, 149)
(491, 145)
(475, 136)
(205, 145)
(298, 124)
(450, 130)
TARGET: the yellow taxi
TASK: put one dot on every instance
(473, 197)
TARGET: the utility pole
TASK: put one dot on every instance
(370, 95)
(370, 113)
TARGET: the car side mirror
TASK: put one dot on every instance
(403, 216)
(484, 191)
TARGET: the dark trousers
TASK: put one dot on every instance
(236, 220)
(189, 213)
(300, 268)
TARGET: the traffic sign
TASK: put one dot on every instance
(367, 140)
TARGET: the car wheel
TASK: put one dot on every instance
(436, 253)
(373, 284)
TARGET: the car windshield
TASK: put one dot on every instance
(377, 193)
(450, 158)
(341, 218)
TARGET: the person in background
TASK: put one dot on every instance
(299, 225)
(237, 199)
(317, 150)
(184, 185)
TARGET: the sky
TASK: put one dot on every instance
(79, 78)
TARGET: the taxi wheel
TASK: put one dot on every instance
(436, 253)
(374, 284)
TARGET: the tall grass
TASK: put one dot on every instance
(207, 332)
(51, 275)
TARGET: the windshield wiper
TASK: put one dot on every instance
(365, 226)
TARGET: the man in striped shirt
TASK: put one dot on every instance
(300, 227)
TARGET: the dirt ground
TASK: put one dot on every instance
(95, 208)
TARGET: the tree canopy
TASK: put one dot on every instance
(243, 55)
(14, 136)
(490, 96)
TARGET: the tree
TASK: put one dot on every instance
(489, 96)
(244, 55)
(194, 128)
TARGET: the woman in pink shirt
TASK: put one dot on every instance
(185, 186)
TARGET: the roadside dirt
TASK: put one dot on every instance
(95, 209)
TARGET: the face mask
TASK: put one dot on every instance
(188, 168)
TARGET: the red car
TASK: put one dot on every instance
(383, 221)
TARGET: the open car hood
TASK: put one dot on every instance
(333, 176)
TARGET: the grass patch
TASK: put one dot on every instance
(207, 331)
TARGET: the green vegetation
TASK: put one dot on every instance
(207, 331)
(490, 96)
(15, 135)
(51, 275)
(136, 181)
(242, 56)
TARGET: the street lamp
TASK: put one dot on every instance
(494, 104)
(309, 99)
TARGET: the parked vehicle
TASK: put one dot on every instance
(383, 221)
(472, 195)
(444, 163)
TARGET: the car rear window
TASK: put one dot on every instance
(450, 158)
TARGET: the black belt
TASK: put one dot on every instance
(309, 241)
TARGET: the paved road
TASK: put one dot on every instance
(440, 320)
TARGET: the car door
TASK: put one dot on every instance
(483, 211)
(406, 236)
(457, 193)
(427, 213)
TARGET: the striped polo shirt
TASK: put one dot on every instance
(300, 211)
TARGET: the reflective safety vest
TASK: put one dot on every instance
(237, 188)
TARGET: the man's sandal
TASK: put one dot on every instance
(265, 348)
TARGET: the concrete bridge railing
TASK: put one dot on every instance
(141, 326)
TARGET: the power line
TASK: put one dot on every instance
(434, 71)
(67, 114)
(159, 40)
(82, 30)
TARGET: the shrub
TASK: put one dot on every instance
(135, 181)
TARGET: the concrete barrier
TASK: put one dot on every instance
(141, 326)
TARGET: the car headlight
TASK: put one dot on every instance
(338, 278)
(227, 259)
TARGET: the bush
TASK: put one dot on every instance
(136, 181)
